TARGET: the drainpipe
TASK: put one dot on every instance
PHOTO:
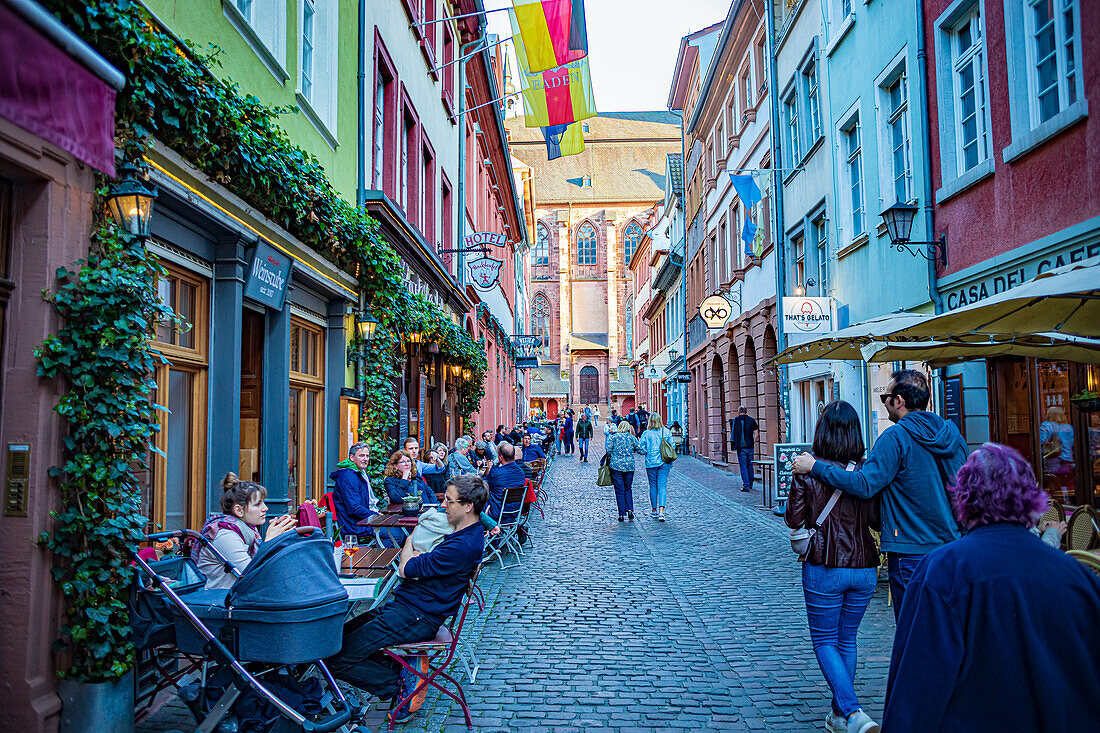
(925, 134)
(361, 123)
(461, 117)
(777, 218)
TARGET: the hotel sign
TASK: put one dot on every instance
(808, 315)
(268, 276)
(484, 272)
(477, 240)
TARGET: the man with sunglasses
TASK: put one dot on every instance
(912, 463)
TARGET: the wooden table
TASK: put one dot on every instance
(378, 563)
(389, 521)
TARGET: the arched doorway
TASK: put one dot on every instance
(718, 400)
(749, 377)
(628, 405)
(589, 386)
(771, 427)
(551, 409)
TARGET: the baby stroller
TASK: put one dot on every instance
(281, 618)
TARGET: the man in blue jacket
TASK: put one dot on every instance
(912, 463)
(353, 498)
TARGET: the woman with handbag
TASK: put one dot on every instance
(658, 463)
(621, 447)
(831, 533)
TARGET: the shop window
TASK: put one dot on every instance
(175, 496)
(1057, 436)
(305, 460)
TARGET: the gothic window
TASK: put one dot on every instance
(586, 244)
(540, 322)
(542, 245)
(631, 236)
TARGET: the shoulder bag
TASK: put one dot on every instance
(800, 538)
(603, 476)
(668, 453)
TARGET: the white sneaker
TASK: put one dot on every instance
(836, 723)
(860, 722)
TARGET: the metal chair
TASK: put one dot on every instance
(1083, 530)
(508, 521)
(1089, 559)
(1054, 513)
(440, 653)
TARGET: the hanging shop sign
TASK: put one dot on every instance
(651, 372)
(268, 276)
(526, 341)
(683, 377)
(484, 272)
(476, 240)
(807, 315)
(715, 310)
(527, 362)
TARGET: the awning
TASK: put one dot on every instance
(1063, 301)
(55, 86)
(937, 353)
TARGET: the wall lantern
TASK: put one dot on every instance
(465, 373)
(414, 337)
(366, 323)
(899, 225)
(456, 369)
(672, 354)
(130, 201)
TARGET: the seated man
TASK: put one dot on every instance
(505, 475)
(458, 464)
(435, 583)
(434, 464)
(532, 452)
(482, 455)
(353, 498)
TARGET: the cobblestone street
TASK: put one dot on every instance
(697, 623)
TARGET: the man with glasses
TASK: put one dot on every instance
(435, 583)
(912, 463)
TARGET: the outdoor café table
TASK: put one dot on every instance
(388, 521)
(394, 508)
(375, 563)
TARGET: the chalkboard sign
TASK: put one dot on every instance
(784, 456)
(953, 402)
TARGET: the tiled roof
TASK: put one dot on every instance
(625, 157)
(675, 164)
(546, 382)
(625, 382)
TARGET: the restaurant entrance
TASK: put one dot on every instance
(252, 391)
(1034, 409)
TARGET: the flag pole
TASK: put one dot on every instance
(469, 55)
(456, 17)
(498, 100)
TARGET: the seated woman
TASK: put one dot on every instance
(235, 533)
(401, 480)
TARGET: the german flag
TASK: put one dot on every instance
(554, 32)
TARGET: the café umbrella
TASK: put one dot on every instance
(943, 353)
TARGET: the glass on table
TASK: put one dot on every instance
(351, 546)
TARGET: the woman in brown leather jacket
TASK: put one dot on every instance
(839, 570)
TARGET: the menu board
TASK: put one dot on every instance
(784, 457)
(952, 402)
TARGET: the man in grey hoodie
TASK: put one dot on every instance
(912, 463)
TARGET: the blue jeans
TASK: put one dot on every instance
(584, 447)
(835, 601)
(623, 481)
(901, 567)
(360, 661)
(744, 459)
(658, 483)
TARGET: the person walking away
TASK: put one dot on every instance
(839, 572)
(615, 417)
(998, 631)
(621, 446)
(567, 434)
(235, 533)
(595, 415)
(743, 430)
(632, 419)
(655, 467)
(912, 463)
(584, 435)
(643, 420)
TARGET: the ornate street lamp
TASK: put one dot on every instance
(366, 323)
(466, 374)
(899, 225)
(456, 369)
(130, 201)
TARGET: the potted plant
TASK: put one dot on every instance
(410, 506)
(1086, 401)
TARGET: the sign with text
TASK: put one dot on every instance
(527, 362)
(715, 311)
(482, 239)
(784, 461)
(1001, 280)
(484, 272)
(683, 377)
(268, 276)
(808, 315)
(651, 372)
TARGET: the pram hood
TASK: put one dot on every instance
(288, 572)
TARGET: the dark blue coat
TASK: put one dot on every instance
(998, 632)
(351, 498)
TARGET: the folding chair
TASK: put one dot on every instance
(532, 496)
(509, 522)
(440, 653)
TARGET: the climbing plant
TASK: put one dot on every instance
(104, 357)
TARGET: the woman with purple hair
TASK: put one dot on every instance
(998, 630)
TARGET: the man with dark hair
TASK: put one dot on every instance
(912, 463)
(615, 417)
(505, 475)
(499, 435)
(435, 583)
(742, 436)
(515, 435)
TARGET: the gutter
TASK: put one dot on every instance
(360, 121)
(925, 135)
(778, 244)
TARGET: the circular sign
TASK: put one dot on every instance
(715, 310)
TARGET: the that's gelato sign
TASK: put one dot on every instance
(807, 315)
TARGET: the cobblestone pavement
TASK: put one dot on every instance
(695, 623)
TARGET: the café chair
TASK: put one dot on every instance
(1089, 559)
(1083, 530)
(509, 522)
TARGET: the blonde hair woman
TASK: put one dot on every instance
(655, 467)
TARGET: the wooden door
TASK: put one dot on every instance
(590, 386)
(252, 365)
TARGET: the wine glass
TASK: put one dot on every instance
(351, 546)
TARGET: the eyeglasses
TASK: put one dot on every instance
(883, 397)
(447, 501)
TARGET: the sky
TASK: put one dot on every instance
(632, 46)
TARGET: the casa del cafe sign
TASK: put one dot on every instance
(807, 315)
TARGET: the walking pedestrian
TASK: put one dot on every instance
(655, 467)
(839, 571)
(998, 630)
(567, 433)
(642, 417)
(621, 446)
(743, 430)
(912, 463)
(584, 435)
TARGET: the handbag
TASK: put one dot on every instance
(668, 453)
(800, 538)
(603, 476)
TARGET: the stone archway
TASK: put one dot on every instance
(771, 419)
(750, 383)
(716, 410)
